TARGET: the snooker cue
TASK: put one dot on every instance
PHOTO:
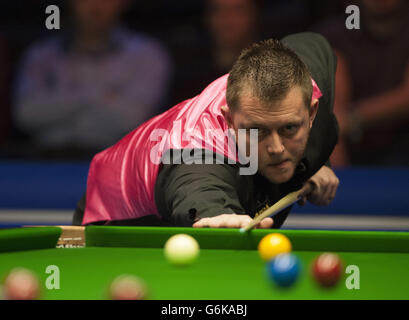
(281, 204)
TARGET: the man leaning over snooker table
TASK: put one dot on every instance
(285, 89)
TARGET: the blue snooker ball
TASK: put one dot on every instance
(284, 269)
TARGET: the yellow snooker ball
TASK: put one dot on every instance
(272, 245)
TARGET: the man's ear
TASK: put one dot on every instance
(313, 110)
(226, 112)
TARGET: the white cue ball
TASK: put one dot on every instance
(181, 249)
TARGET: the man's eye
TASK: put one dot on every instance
(290, 129)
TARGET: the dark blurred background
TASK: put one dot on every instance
(196, 42)
(67, 94)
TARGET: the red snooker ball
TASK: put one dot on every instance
(127, 287)
(21, 284)
(327, 269)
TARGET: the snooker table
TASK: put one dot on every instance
(228, 268)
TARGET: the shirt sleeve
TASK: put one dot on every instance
(185, 193)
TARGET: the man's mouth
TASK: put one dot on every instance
(279, 164)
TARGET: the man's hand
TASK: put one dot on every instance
(321, 188)
(231, 221)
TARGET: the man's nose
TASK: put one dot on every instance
(275, 145)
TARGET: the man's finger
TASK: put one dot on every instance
(218, 221)
(302, 201)
(334, 189)
(201, 223)
(308, 188)
(223, 221)
(328, 195)
(245, 222)
(232, 223)
(266, 223)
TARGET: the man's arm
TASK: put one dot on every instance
(202, 195)
(185, 193)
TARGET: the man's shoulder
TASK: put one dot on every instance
(304, 37)
(307, 44)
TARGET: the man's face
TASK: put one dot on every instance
(283, 130)
(97, 16)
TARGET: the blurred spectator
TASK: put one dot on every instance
(4, 91)
(372, 88)
(80, 92)
(283, 17)
(231, 25)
